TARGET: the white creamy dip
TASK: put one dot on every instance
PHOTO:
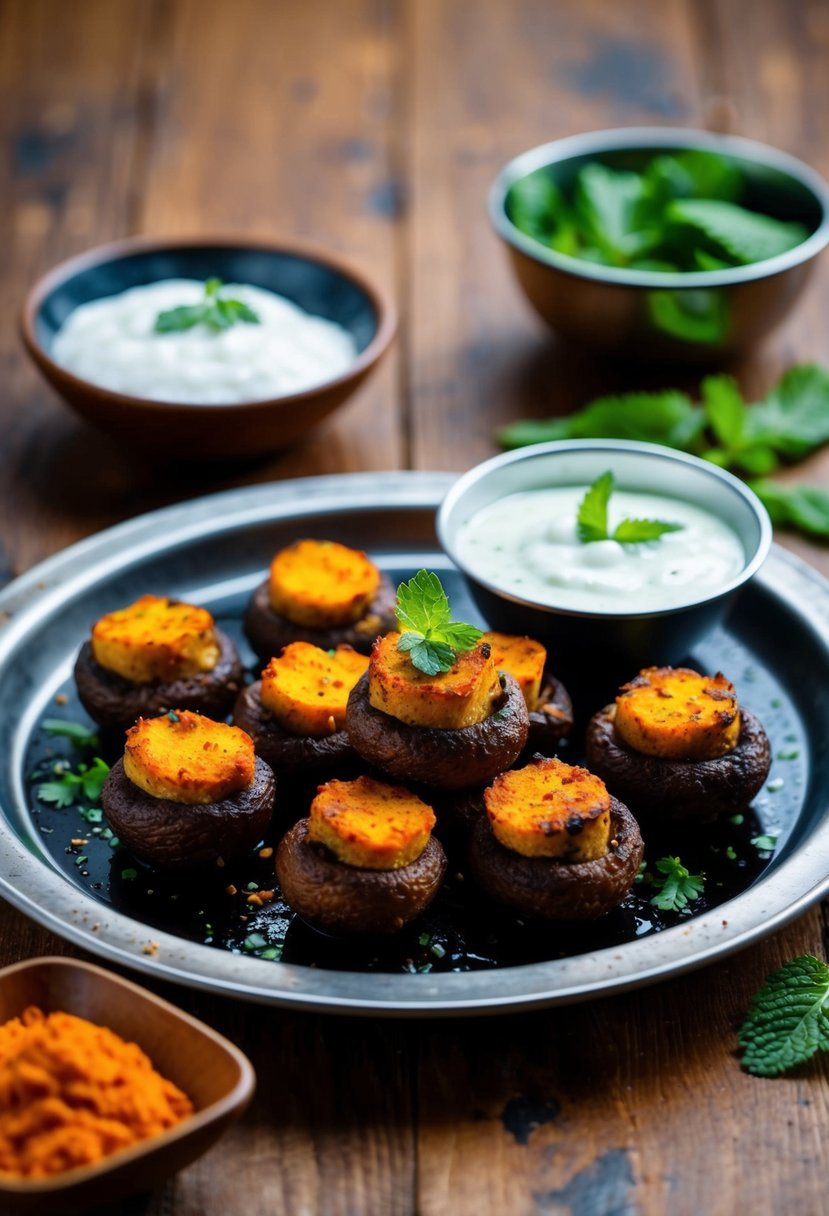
(112, 343)
(527, 543)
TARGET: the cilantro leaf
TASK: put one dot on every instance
(215, 311)
(591, 522)
(612, 208)
(636, 531)
(61, 793)
(422, 604)
(87, 781)
(80, 735)
(428, 634)
(746, 235)
(787, 1022)
(677, 887)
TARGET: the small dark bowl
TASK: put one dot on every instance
(318, 282)
(691, 316)
(613, 642)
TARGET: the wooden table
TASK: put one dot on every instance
(374, 127)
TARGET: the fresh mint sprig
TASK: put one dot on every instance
(216, 311)
(789, 1018)
(789, 423)
(592, 520)
(428, 633)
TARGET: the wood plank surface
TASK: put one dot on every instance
(374, 127)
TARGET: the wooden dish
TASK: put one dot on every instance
(216, 1076)
(319, 282)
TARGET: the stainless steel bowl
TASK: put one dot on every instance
(688, 316)
(614, 641)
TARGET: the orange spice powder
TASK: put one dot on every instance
(72, 1092)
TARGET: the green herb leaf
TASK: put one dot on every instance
(801, 506)
(537, 206)
(80, 735)
(746, 235)
(677, 887)
(215, 311)
(787, 1022)
(428, 633)
(591, 522)
(794, 417)
(69, 785)
(765, 843)
(725, 409)
(611, 207)
(669, 417)
(637, 531)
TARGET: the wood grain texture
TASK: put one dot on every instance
(374, 127)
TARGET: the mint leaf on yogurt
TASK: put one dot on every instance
(592, 519)
(216, 311)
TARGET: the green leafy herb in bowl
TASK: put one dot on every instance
(679, 213)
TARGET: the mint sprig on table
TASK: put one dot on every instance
(680, 213)
(789, 423)
(428, 633)
(216, 311)
(592, 519)
(789, 1018)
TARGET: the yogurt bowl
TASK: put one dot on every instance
(604, 606)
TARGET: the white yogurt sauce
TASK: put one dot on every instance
(112, 343)
(527, 543)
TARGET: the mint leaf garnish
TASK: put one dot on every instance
(591, 522)
(215, 311)
(428, 633)
(788, 1021)
(592, 525)
(677, 887)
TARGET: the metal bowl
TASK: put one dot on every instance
(689, 316)
(612, 640)
(318, 282)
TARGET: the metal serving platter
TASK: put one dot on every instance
(214, 551)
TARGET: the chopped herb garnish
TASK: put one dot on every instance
(592, 521)
(92, 814)
(79, 734)
(787, 1022)
(86, 780)
(173, 716)
(677, 887)
(765, 844)
(129, 874)
(216, 311)
(255, 941)
(428, 633)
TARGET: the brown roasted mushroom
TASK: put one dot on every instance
(364, 861)
(288, 754)
(450, 758)
(554, 843)
(679, 716)
(319, 592)
(155, 655)
(188, 791)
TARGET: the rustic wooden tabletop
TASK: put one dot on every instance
(374, 127)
